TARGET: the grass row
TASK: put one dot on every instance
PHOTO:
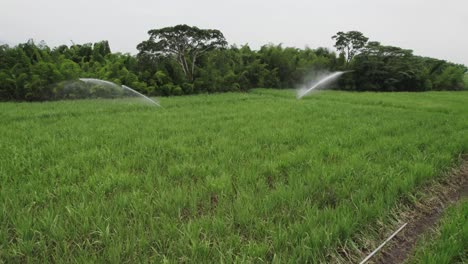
(449, 241)
(257, 177)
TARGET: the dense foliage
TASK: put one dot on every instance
(182, 43)
(387, 68)
(33, 71)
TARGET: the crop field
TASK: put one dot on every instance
(235, 177)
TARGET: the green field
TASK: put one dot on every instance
(253, 177)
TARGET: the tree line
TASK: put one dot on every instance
(186, 60)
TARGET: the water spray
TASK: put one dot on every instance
(327, 79)
(124, 87)
(144, 96)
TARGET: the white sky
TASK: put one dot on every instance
(432, 28)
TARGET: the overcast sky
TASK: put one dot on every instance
(432, 28)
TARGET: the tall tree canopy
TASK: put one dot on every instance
(350, 43)
(184, 43)
(387, 68)
(35, 72)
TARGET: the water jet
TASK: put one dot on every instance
(321, 82)
(122, 88)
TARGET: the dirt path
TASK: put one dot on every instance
(425, 215)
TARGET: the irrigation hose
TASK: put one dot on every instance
(383, 244)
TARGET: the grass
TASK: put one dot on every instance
(449, 243)
(256, 177)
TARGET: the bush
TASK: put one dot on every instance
(176, 90)
(187, 88)
(165, 90)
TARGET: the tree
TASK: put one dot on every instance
(388, 68)
(37, 72)
(183, 43)
(350, 43)
(69, 69)
(7, 87)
